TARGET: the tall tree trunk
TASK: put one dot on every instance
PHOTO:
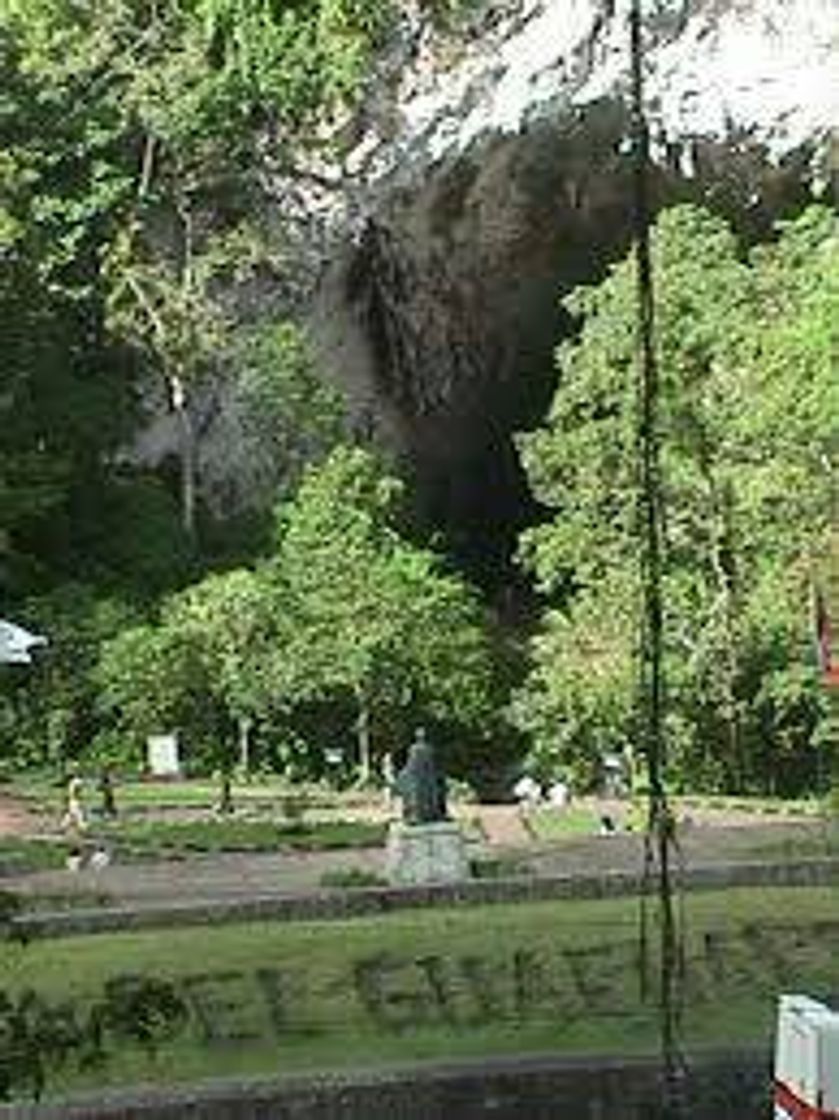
(245, 725)
(179, 396)
(722, 562)
(188, 456)
(364, 739)
(225, 804)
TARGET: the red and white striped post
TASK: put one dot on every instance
(806, 1060)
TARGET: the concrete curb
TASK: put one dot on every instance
(721, 1085)
(330, 905)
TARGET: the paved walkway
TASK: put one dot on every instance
(503, 825)
(711, 838)
(230, 876)
(201, 878)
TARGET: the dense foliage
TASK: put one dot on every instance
(133, 262)
(128, 131)
(346, 614)
(747, 346)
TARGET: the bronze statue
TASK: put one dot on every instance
(421, 785)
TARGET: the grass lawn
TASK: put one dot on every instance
(47, 792)
(133, 840)
(763, 806)
(822, 841)
(577, 819)
(546, 823)
(273, 997)
(233, 835)
(18, 854)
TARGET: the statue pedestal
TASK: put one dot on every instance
(426, 853)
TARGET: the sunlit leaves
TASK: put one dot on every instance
(749, 398)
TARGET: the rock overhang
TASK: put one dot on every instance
(486, 172)
(492, 173)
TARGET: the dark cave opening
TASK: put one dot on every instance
(453, 294)
(475, 495)
(479, 505)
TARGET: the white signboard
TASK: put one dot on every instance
(163, 756)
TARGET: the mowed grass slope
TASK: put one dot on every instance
(47, 793)
(558, 976)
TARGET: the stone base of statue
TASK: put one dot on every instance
(426, 853)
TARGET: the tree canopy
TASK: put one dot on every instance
(747, 346)
(347, 608)
(128, 132)
(135, 138)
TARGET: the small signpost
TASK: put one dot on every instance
(806, 1060)
(162, 755)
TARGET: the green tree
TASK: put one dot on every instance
(65, 396)
(289, 416)
(347, 608)
(380, 618)
(132, 137)
(202, 667)
(164, 310)
(749, 407)
(242, 628)
(578, 699)
(151, 679)
(128, 132)
(292, 60)
(54, 704)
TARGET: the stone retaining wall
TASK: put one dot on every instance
(718, 1087)
(337, 904)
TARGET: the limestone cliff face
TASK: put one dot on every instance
(488, 170)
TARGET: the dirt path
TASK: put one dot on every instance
(226, 876)
(502, 825)
(701, 844)
(230, 876)
(710, 838)
(15, 820)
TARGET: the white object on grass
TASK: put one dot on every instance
(16, 644)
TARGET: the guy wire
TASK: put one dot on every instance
(660, 838)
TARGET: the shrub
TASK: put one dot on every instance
(352, 877)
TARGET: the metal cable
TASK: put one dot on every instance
(660, 850)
